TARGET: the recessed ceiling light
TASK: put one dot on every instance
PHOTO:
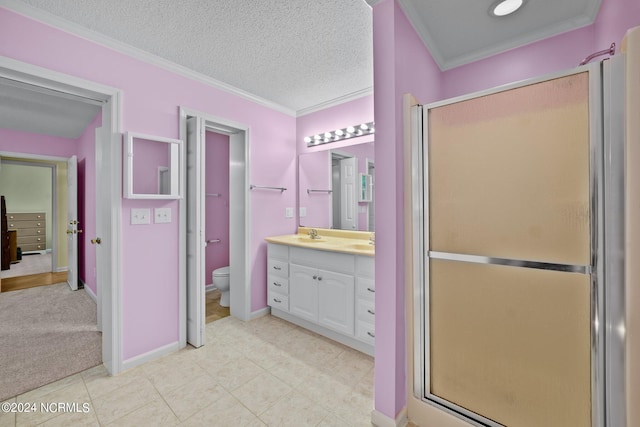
(505, 7)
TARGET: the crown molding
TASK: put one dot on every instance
(103, 40)
(372, 2)
(336, 101)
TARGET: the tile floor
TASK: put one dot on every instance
(264, 372)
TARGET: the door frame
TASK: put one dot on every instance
(109, 291)
(606, 386)
(239, 218)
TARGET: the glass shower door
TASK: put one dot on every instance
(510, 274)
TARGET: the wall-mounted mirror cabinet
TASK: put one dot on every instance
(335, 188)
(152, 169)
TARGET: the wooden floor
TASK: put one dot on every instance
(31, 281)
(214, 310)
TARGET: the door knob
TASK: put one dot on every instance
(69, 231)
(96, 241)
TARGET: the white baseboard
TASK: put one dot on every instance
(209, 288)
(378, 419)
(152, 355)
(62, 269)
(88, 290)
(260, 313)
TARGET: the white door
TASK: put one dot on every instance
(72, 222)
(349, 194)
(195, 231)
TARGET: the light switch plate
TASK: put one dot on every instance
(162, 215)
(303, 212)
(288, 213)
(140, 216)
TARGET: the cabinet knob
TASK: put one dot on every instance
(275, 267)
(276, 300)
(371, 290)
(371, 334)
(371, 312)
(277, 284)
(315, 277)
(319, 277)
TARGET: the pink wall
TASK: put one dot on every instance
(34, 143)
(87, 203)
(151, 100)
(401, 65)
(217, 208)
(314, 172)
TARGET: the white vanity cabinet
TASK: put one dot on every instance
(278, 277)
(322, 293)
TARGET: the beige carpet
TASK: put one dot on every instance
(30, 264)
(46, 333)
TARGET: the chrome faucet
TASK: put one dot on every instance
(372, 239)
(313, 234)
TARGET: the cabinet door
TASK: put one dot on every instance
(336, 301)
(303, 292)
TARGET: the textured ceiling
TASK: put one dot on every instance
(296, 53)
(299, 55)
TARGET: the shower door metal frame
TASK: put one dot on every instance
(604, 139)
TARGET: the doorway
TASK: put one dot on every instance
(37, 193)
(193, 128)
(108, 155)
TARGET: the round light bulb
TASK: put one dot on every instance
(506, 7)
(364, 126)
(317, 137)
(307, 139)
(351, 129)
(339, 132)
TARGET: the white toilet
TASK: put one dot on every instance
(221, 282)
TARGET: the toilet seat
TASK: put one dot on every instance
(222, 271)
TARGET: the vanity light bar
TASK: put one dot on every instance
(340, 134)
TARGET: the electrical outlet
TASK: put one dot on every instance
(140, 216)
(288, 213)
(162, 215)
(303, 212)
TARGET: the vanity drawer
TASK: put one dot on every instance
(365, 332)
(330, 261)
(365, 289)
(279, 301)
(278, 284)
(365, 267)
(277, 251)
(277, 267)
(365, 311)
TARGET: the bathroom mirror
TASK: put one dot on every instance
(152, 167)
(335, 188)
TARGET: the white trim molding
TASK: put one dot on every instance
(259, 313)
(88, 290)
(152, 355)
(336, 101)
(379, 419)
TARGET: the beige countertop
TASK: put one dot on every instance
(351, 242)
